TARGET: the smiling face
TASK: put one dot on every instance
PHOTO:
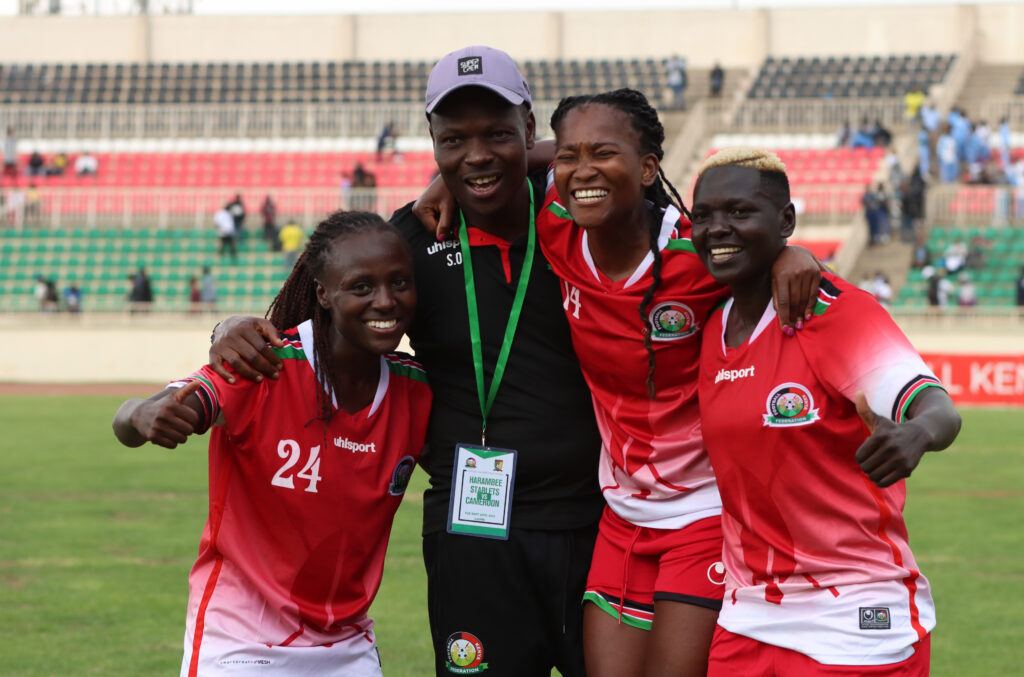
(600, 170)
(480, 144)
(738, 227)
(367, 287)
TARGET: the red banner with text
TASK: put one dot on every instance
(995, 380)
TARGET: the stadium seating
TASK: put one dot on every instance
(847, 77)
(995, 281)
(242, 170)
(284, 83)
(823, 178)
(100, 261)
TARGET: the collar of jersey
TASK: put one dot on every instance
(306, 337)
(767, 317)
(668, 231)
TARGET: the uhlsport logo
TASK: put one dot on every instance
(716, 573)
(465, 654)
(671, 321)
(790, 404)
(400, 476)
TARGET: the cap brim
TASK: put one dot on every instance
(507, 94)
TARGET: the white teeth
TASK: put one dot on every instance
(483, 181)
(589, 194)
(382, 324)
(723, 253)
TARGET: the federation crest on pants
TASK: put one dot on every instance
(465, 654)
(790, 404)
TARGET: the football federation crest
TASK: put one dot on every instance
(790, 404)
(465, 654)
(400, 476)
(671, 321)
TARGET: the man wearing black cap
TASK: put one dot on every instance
(510, 517)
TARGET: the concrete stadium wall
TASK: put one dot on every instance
(736, 38)
(118, 348)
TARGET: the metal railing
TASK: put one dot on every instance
(212, 121)
(810, 115)
(187, 207)
(971, 205)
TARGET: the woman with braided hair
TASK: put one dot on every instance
(307, 470)
(636, 297)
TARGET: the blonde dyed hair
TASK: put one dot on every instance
(744, 156)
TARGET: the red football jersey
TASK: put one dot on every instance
(654, 470)
(300, 511)
(816, 555)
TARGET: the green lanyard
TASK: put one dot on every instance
(513, 318)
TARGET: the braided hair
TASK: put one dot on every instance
(297, 302)
(661, 193)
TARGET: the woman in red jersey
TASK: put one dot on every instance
(306, 471)
(820, 579)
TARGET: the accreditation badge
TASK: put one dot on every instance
(482, 483)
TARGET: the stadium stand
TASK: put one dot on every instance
(293, 83)
(848, 77)
(996, 269)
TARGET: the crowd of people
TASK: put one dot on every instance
(586, 298)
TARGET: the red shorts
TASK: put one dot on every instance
(733, 654)
(641, 565)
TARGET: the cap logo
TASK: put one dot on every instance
(471, 65)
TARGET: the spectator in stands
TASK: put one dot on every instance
(675, 74)
(237, 210)
(945, 150)
(976, 253)
(344, 190)
(364, 196)
(876, 211)
(960, 129)
(940, 288)
(913, 100)
(73, 298)
(86, 164)
(388, 137)
(58, 163)
(1020, 288)
(911, 205)
(717, 79)
(880, 135)
(881, 290)
(930, 117)
(966, 294)
(208, 290)
(36, 164)
(225, 224)
(141, 295)
(1004, 143)
(268, 210)
(864, 136)
(922, 258)
(845, 135)
(955, 256)
(291, 237)
(32, 202)
(14, 207)
(46, 294)
(194, 295)
(11, 154)
(924, 151)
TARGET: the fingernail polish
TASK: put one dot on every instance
(799, 324)
(788, 331)
(440, 237)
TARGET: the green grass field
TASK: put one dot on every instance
(96, 541)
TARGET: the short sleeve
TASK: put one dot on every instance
(853, 345)
(231, 405)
